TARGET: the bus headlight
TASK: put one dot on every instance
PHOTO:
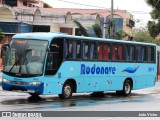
(5, 80)
(35, 83)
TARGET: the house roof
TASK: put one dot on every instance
(102, 12)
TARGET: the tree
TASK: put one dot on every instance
(121, 35)
(142, 35)
(110, 25)
(81, 30)
(154, 27)
(97, 30)
(1, 36)
(46, 5)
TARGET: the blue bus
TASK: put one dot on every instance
(54, 63)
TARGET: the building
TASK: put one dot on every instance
(123, 20)
(31, 19)
(22, 16)
(23, 3)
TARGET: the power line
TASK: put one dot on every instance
(83, 4)
(138, 12)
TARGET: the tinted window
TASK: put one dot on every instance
(78, 49)
(93, 50)
(141, 53)
(129, 53)
(144, 54)
(106, 52)
(117, 52)
(151, 54)
(85, 50)
(100, 51)
(72, 49)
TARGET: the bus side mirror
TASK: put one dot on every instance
(4, 50)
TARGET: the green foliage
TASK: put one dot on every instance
(142, 35)
(154, 3)
(155, 14)
(46, 5)
(109, 27)
(154, 27)
(81, 30)
(1, 36)
(120, 35)
(97, 30)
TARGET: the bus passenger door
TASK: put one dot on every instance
(54, 61)
(55, 57)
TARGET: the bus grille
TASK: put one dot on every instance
(19, 83)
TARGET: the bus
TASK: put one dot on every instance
(61, 64)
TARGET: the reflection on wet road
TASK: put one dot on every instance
(147, 99)
(87, 101)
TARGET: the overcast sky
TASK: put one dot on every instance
(138, 8)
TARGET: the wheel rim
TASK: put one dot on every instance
(127, 88)
(67, 91)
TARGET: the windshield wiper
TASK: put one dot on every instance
(20, 63)
(26, 51)
(16, 62)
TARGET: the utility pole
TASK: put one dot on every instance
(111, 29)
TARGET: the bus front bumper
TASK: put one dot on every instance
(23, 87)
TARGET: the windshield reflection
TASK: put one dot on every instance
(26, 57)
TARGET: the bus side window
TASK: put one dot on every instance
(117, 52)
(106, 51)
(85, 50)
(74, 50)
(100, 51)
(70, 51)
(93, 51)
(132, 53)
(114, 48)
(78, 49)
(144, 54)
(139, 53)
(151, 54)
(120, 52)
(127, 51)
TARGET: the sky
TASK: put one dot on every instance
(138, 8)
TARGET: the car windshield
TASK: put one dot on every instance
(25, 57)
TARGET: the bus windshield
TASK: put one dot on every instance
(25, 58)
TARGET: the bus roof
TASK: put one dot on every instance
(50, 35)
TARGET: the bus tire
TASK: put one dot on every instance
(67, 91)
(127, 87)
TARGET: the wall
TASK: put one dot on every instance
(6, 15)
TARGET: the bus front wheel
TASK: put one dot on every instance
(67, 91)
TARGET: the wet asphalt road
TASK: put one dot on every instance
(140, 100)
